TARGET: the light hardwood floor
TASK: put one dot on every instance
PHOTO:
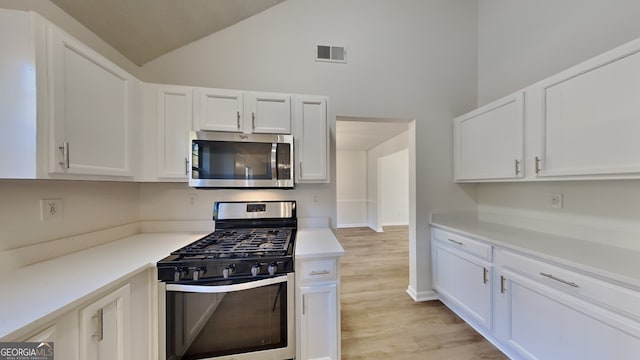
(381, 321)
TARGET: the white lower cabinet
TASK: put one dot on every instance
(116, 325)
(549, 312)
(318, 309)
(105, 328)
(536, 309)
(463, 283)
(319, 322)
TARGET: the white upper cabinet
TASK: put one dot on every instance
(579, 124)
(219, 110)
(168, 116)
(268, 113)
(489, 141)
(245, 112)
(94, 109)
(311, 136)
(588, 117)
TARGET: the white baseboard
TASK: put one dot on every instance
(345, 226)
(422, 295)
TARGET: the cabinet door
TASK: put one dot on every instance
(104, 327)
(539, 322)
(587, 118)
(219, 110)
(174, 119)
(489, 142)
(464, 283)
(268, 113)
(319, 322)
(93, 110)
(311, 139)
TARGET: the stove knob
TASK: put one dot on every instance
(228, 270)
(273, 267)
(255, 270)
(198, 272)
(179, 273)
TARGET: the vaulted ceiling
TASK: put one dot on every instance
(142, 30)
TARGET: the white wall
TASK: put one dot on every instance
(394, 188)
(408, 59)
(87, 206)
(171, 201)
(351, 188)
(521, 42)
(374, 188)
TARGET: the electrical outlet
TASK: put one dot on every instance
(555, 201)
(50, 209)
(315, 198)
(193, 199)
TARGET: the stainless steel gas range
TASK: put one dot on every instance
(230, 294)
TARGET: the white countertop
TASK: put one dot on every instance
(609, 261)
(35, 294)
(314, 243)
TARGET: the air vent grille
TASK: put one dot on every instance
(337, 54)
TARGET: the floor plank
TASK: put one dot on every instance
(381, 321)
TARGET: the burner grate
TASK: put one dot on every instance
(240, 243)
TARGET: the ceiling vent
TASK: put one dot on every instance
(337, 54)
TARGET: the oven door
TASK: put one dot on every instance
(250, 320)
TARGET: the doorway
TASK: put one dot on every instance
(373, 170)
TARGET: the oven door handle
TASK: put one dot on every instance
(214, 289)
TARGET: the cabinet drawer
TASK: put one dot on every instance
(463, 243)
(608, 295)
(318, 270)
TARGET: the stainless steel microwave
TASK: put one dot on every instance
(229, 160)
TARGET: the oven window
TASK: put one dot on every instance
(243, 321)
(221, 160)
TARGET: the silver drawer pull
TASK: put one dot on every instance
(456, 242)
(323, 272)
(99, 334)
(570, 283)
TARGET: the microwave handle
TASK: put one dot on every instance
(213, 289)
(274, 162)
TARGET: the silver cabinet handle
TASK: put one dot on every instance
(238, 113)
(303, 304)
(517, 167)
(253, 120)
(323, 272)
(99, 334)
(570, 283)
(456, 242)
(503, 280)
(65, 154)
(300, 172)
(485, 274)
(186, 166)
(538, 160)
